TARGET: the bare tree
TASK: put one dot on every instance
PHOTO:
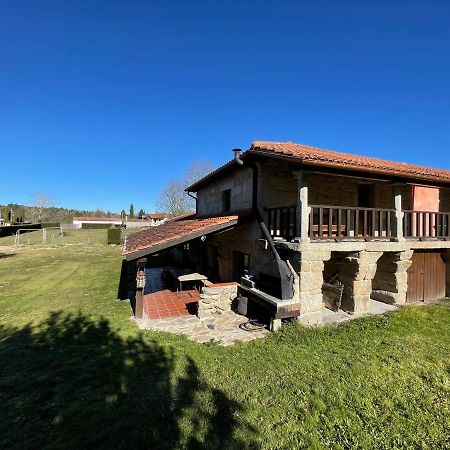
(173, 199)
(40, 202)
(196, 171)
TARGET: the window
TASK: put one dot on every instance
(226, 200)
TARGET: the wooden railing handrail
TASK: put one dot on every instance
(353, 208)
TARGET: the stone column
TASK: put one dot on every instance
(357, 275)
(303, 209)
(398, 231)
(390, 284)
(310, 286)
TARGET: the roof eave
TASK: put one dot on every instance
(139, 253)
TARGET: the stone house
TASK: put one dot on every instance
(300, 228)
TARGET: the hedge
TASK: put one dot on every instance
(95, 226)
(11, 229)
(50, 224)
(114, 236)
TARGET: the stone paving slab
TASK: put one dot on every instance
(222, 328)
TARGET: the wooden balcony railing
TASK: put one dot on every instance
(335, 222)
(349, 223)
(426, 225)
(282, 222)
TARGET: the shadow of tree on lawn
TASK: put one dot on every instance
(6, 255)
(73, 383)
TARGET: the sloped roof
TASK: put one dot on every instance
(156, 216)
(306, 154)
(330, 158)
(175, 232)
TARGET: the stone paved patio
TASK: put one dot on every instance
(222, 328)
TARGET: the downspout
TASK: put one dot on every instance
(286, 276)
(195, 198)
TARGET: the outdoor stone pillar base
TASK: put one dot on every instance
(357, 275)
(390, 284)
(310, 286)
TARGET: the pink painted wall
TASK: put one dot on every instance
(425, 198)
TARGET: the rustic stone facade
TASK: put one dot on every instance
(310, 282)
(390, 283)
(357, 275)
(216, 299)
(209, 198)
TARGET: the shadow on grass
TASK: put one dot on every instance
(6, 255)
(74, 383)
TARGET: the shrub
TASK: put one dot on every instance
(114, 236)
(50, 224)
(95, 226)
(11, 229)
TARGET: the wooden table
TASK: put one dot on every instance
(184, 275)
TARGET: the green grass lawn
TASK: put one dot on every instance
(75, 372)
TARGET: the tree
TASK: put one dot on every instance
(40, 202)
(141, 214)
(173, 199)
(132, 211)
(123, 214)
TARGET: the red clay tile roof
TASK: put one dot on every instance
(321, 157)
(156, 216)
(305, 154)
(174, 232)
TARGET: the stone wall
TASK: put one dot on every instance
(240, 182)
(357, 275)
(278, 187)
(390, 283)
(246, 239)
(310, 280)
(216, 299)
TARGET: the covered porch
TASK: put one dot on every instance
(334, 207)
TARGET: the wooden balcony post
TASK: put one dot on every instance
(303, 210)
(398, 214)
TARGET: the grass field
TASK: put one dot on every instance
(75, 372)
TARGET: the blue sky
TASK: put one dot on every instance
(101, 102)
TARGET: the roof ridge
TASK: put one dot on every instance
(308, 152)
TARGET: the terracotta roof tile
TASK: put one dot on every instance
(173, 231)
(329, 158)
(156, 216)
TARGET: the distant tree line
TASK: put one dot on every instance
(36, 214)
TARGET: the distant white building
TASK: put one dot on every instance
(79, 221)
(149, 220)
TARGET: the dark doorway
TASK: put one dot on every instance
(365, 195)
(241, 265)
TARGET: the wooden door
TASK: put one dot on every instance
(426, 277)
